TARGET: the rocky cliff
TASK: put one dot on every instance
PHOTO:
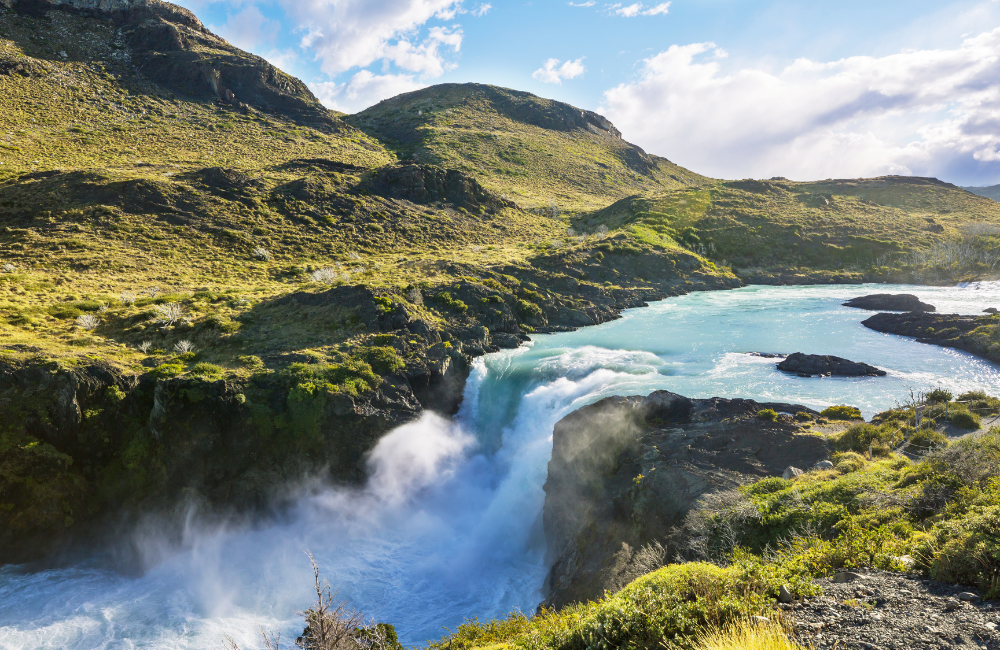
(627, 469)
(169, 46)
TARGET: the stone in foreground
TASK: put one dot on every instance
(811, 365)
(890, 302)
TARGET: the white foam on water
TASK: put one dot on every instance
(447, 526)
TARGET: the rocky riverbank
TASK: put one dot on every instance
(974, 334)
(93, 445)
(627, 470)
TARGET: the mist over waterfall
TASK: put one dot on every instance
(448, 524)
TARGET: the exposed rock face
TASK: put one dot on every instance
(427, 184)
(947, 330)
(171, 47)
(627, 469)
(812, 365)
(890, 302)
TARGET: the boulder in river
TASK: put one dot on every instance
(890, 302)
(810, 365)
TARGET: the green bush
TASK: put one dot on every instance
(939, 396)
(206, 370)
(849, 461)
(924, 441)
(167, 370)
(841, 413)
(965, 550)
(861, 437)
(802, 416)
(353, 376)
(965, 420)
(767, 414)
(445, 298)
(383, 360)
(250, 362)
(528, 309)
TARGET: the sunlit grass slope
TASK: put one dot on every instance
(540, 152)
(901, 228)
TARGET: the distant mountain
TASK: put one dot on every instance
(990, 191)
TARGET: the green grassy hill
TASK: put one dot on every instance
(544, 154)
(891, 228)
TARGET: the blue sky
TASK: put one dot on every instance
(730, 88)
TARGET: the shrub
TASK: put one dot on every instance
(925, 441)
(802, 416)
(250, 362)
(849, 461)
(169, 313)
(167, 370)
(841, 413)
(445, 298)
(860, 437)
(88, 321)
(528, 309)
(965, 420)
(938, 396)
(206, 370)
(767, 414)
(183, 347)
(965, 550)
(326, 275)
(383, 360)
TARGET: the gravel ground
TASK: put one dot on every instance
(891, 611)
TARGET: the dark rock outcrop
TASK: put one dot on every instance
(812, 365)
(169, 46)
(974, 334)
(427, 184)
(627, 469)
(890, 302)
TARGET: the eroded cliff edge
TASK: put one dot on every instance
(627, 470)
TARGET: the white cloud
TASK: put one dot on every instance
(553, 73)
(928, 112)
(482, 10)
(363, 90)
(347, 34)
(249, 29)
(636, 9)
(589, 3)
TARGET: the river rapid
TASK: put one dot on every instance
(448, 526)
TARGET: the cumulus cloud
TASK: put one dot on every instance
(363, 90)
(482, 10)
(926, 112)
(638, 9)
(346, 34)
(248, 29)
(553, 72)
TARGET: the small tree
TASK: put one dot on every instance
(262, 254)
(127, 297)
